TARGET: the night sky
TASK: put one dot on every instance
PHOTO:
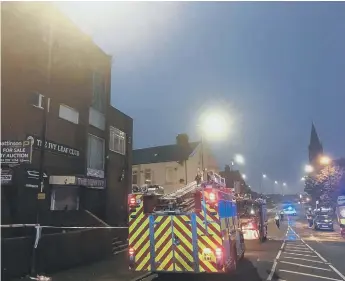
(273, 67)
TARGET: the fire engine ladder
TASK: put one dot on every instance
(181, 200)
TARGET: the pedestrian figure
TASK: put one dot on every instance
(276, 218)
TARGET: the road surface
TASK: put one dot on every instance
(292, 253)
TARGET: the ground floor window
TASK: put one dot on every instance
(65, 198)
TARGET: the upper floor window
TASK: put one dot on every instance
(69, 114)
(98, 95)
(134, 177)
(117, 141)
(95, 156)
(148, 175)
(96, 119)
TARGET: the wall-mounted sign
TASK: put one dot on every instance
(81, 181)
(95, 173)
(54, 147)
(91, 183)
(6, 176)
(32, 178)
(16, 152)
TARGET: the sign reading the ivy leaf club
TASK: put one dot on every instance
(55, 147)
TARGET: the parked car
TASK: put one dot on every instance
(323, 222)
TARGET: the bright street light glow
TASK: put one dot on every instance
(302, 178)
(239, 159)
(308, 169)
(215, 125)
(244, 176)
(284, 183)
(325, 160)
(264, 176)
(275, 182)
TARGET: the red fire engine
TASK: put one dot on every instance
(253, 218)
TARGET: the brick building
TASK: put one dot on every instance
(48, 63)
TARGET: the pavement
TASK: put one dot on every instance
(292, 253)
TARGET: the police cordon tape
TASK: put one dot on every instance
(61, 227)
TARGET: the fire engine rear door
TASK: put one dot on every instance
(162, 243)
(184, 252)
(172, 239)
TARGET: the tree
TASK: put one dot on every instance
(325, 184)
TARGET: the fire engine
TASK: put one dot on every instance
(253, 219)
(194, 229)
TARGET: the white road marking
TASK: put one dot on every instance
(302, 265)
(301, 251)
(296, 246)
(324, 260)
(304, 255)
(337, 271)
(312, 275)
(273, 269)
(293, 258)
(321, 257)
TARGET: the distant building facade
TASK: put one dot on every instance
(172, 166)
(47, 62)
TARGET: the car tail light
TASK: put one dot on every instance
(131, 251)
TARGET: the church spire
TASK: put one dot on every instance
(315, 145)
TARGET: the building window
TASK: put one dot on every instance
(96, 119)
(117, 141)
(98, 96)
(95, 156)
(170, 175)
(134, 177)
(69, 114)
(148, 174)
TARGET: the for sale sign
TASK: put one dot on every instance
(16, 152)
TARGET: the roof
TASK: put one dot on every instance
(165, 153)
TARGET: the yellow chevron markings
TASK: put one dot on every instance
(145, 224)
(144, 247)
(143, 263)
(183, 263)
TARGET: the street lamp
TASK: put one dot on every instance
(275, 182)
(244, 176)
(302, 178)
(214, 125)
(325, 160)
(308, 168)
(261, 181)
(239, 159)
(284, 183)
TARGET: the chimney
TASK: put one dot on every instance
(182, 140)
